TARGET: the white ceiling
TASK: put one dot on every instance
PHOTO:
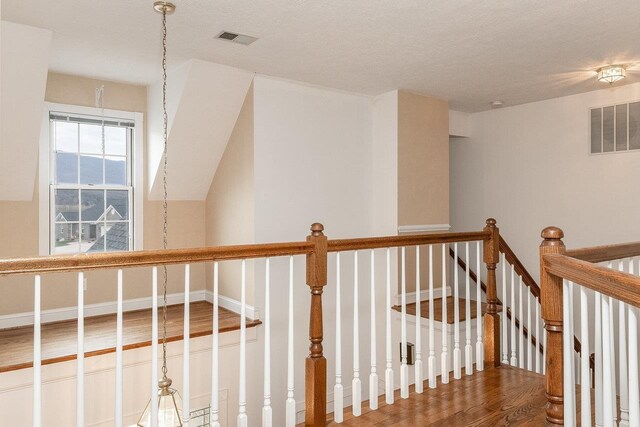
(467, 51)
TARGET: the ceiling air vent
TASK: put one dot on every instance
(236, 38)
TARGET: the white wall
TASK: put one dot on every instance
(313, 162)
(529, 167)
(24, 63)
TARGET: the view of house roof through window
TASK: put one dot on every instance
(91, 190)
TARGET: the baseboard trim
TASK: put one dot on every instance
(232, 305)
(68, 313)
(402, 229)
(424, 295)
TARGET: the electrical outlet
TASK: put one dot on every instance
(84, 284)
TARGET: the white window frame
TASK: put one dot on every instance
(45, 179)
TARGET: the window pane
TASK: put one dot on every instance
(66, 168)
(90, 138)
(116, 170)
(66, 137)
(92, 205)
(91, 170)
(66, 239)
(596, 130)
(119, 201)
(608, 129)
(88, 238)
(66, 205)
(115, 140)
(621, 127)
(117, 236)
(634, 126)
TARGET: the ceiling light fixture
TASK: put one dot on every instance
(611, 73)
(497, 104)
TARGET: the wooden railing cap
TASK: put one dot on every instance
(491, 222)
(317, 229)
(552, 233)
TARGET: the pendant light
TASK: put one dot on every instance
(169, 400)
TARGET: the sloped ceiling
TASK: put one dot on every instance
(204, 101)
(23, 79)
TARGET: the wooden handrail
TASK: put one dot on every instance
(339, 245)
(617, 284)
(606, 253)
(83, 262)
(520, 269)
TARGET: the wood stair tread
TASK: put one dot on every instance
(437, 304)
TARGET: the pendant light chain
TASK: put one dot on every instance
(164, 185)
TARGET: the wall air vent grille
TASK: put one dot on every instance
(236, 38)
(615, 128)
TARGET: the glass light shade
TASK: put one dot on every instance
(169, 407)
(611, 74)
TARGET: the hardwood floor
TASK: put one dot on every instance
(59, 338)
(437, 309)
(503, 396)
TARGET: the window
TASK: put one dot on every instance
(91, 189)
(615, 128)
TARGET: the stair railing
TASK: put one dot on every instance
(527, 323)
(316, 248)
(581, 291)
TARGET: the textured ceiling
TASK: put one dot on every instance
(467, 51)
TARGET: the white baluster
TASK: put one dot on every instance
(215, 401)
(479, 327)
(585, 381)
(186, 353)
(373, 376)
(538, 340)
(514, 359)
(290, 405)
(418, 369)
(598, 361)
(267, 412)
(444, 358)
(404, 368)
(338, 389)
(530, 332)
(457, 353)
(634, 393)
(612, 346)
(80, 360)
(607, 374)
(37, 355)
(154, 347)
(356, 384)
(522, 325)
(622, 350)
(119, 326)
(468, 348)
(388, 373)
(242, 394)
(431, 364)
(567, 356)
(504, 341)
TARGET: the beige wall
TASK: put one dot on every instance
(230, 203)
(19, 221)
(423, 174)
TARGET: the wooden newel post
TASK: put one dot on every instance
(491, 255)
(551, 299)
(316, 364)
